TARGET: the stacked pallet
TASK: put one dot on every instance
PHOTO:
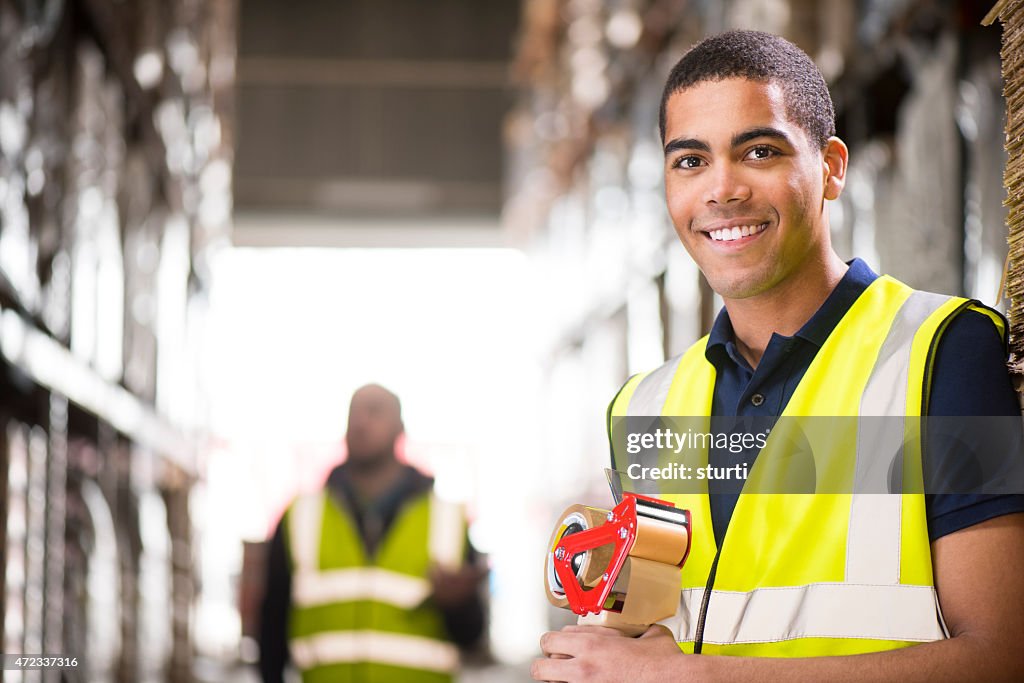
(1011, 14)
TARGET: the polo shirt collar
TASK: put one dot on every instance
(816, 330)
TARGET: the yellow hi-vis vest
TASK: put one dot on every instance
(360, 619)
(802, 575)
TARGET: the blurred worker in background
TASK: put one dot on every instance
(371, 578)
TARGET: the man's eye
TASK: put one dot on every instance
(761, 152)
(689, 162)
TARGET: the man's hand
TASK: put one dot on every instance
(454, 588)
(597, 654)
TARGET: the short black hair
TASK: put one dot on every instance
(762, 57)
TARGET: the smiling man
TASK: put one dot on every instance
(912, 586)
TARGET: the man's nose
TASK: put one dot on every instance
(726, 184)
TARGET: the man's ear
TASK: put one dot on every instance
(834, 159)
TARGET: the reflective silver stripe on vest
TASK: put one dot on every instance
(312, 588)
(873, 536)
(818, 610)
(395, 649)
(650, 395)
(446, 541)
(305, 520)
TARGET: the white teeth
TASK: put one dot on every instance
(730, 234)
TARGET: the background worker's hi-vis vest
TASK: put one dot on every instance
(816, 574)
(359, 619)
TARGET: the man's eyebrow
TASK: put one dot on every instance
(688, 143)
(761, 132)
(737, 140)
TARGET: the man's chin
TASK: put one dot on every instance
(367, 460)
(737, 287)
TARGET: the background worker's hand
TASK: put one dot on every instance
(597, 654)
(452, 588)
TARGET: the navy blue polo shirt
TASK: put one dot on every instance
(969, 379)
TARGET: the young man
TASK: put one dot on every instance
(838, 588)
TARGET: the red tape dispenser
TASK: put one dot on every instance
(619, 568)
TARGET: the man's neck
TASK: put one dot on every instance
(372, 480)
(784, 309)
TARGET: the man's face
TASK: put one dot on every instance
(744, 186)
(374, 422)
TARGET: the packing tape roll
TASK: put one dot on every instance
(651, 594)
(594, 561)
(660, 541)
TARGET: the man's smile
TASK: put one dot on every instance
(735, 233)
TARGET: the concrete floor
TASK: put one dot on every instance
(208, 671)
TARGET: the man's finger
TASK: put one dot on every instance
(551, 644)
(554, 670)
(595, 630)
(658, 630)
(570, 644)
